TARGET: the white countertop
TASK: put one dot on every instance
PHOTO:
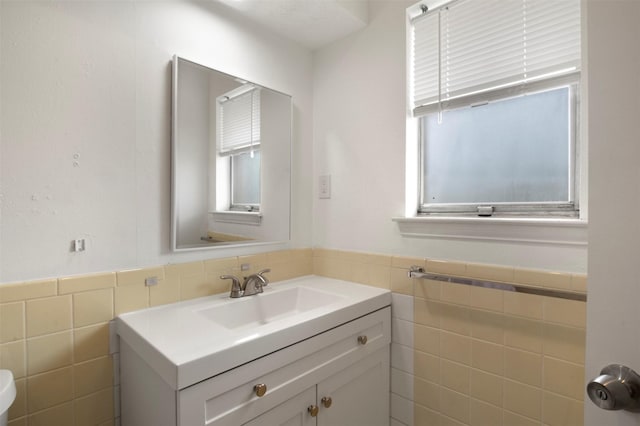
(184, 347)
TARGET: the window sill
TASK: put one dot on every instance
(243, 218)
(556, 231)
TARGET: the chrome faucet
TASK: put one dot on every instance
(251, 285)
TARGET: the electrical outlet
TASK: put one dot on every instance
(78, 245)
(324, 187)
(151, 281)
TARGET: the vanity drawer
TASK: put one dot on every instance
(231, 399)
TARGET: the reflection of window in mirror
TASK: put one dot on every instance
(238, 149)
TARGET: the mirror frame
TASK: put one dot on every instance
(174, 142)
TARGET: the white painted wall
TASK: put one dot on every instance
(359, 139)
(92, 80)
(85, 126)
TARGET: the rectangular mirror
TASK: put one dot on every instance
(231, 160)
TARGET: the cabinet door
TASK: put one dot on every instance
(359, 395)
(293, 412)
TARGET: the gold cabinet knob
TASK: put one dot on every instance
(326, 401)
(313, 410)
(260, 389)
(362, 340)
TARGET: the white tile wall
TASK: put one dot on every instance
(401, 360)
(402, 332)
(401, 410)
(402, 383)
(402, 306)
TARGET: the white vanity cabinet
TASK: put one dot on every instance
(338, 376)
(354, 375)
(358, 395)
(293, 412)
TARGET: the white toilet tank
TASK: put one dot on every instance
(7, 395)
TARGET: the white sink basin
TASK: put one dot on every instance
(267, 307)
(187, 341)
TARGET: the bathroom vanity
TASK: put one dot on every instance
(307, 351)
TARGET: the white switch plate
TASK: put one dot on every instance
(324, 186)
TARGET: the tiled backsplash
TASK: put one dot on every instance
(476, 356)
(460, 355)
(54, 334)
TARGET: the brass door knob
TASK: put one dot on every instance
(326, 401)
(313, 410)
(260, 389)
(362, 340)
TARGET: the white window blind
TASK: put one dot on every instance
(239, 122)
(467, 50)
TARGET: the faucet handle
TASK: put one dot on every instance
(264, 279)
(236, 289)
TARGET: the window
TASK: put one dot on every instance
(513, 154)
(495, 89)
(238, 127)
(245, 181)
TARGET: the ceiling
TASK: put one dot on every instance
(311, 23)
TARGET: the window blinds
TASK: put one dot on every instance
(239, 122)
(475, 50)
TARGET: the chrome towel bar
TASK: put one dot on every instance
(419, 272)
